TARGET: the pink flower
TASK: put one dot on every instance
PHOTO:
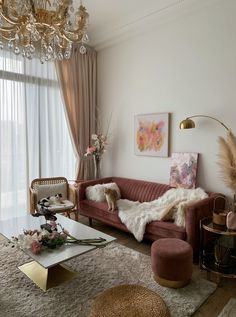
(53, 225)
(36, 247)
(90, 149)
(66, 232)
(54, 235)
(64, 236)
(94, 137)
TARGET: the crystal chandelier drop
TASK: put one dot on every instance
(46, 28)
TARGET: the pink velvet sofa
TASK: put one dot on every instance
(139, 190)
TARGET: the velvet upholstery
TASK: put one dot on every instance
(139, 190)
(172, 259)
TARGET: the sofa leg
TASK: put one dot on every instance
(90, 222)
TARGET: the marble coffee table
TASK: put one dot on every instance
(46, 269)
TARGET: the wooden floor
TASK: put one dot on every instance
(215, 303)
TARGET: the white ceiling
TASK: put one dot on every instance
(113, 20)
(108, 17)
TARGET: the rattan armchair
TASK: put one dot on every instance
(51, 186)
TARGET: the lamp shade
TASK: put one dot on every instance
(187, 124)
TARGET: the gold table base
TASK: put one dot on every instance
(47, 278)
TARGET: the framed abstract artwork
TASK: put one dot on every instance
(183, 170)
(152, 134)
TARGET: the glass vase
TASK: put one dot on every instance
(97, 166)
(222, 255)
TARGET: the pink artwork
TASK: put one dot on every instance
(183, 170)
(152, 134)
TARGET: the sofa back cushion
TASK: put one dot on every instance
(138, 190)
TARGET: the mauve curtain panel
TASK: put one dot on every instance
(77, 79)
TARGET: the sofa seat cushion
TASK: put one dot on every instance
(99, 210)
(154, 230)
(166, 229)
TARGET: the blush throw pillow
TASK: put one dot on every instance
(96, 192)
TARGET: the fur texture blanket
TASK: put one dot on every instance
(136, 215)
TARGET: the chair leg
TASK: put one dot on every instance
(76, 215)
(90, 222)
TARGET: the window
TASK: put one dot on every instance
(34, 137)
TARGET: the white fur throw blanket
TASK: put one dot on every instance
(136, 215)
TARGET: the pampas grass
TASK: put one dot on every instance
(227, 160)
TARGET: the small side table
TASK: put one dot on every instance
(217, 249)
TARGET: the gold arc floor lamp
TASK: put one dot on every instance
(230, 150)
(189, 124)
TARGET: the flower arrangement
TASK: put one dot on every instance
(98, 147)
(96, 150)
(38, 240)
(99, 143)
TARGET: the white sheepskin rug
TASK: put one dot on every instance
(136, 215)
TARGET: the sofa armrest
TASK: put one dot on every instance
(197, 211)
(82, 186)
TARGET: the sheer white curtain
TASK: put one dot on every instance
(34, 137)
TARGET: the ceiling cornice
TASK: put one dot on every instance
(140, 25)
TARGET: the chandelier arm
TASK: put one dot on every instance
(7, 38)
(63, 35)
(50, 27)
(54, 26)
(68, 39)
(61, 46)
(67, 33)
(76, 30)
(9, 29)
(43, 24)
(204, 116)
(9, 20)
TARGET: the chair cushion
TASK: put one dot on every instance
(65, 206)
(44, 191)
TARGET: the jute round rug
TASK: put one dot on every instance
(129, 301)
(98, 270)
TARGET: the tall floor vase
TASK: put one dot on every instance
(97, 166)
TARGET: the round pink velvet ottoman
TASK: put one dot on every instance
(172, 262)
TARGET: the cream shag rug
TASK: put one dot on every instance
(98, 270)
(230, 309)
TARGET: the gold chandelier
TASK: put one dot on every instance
(44, 27)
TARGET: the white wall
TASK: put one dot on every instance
(186, 66)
